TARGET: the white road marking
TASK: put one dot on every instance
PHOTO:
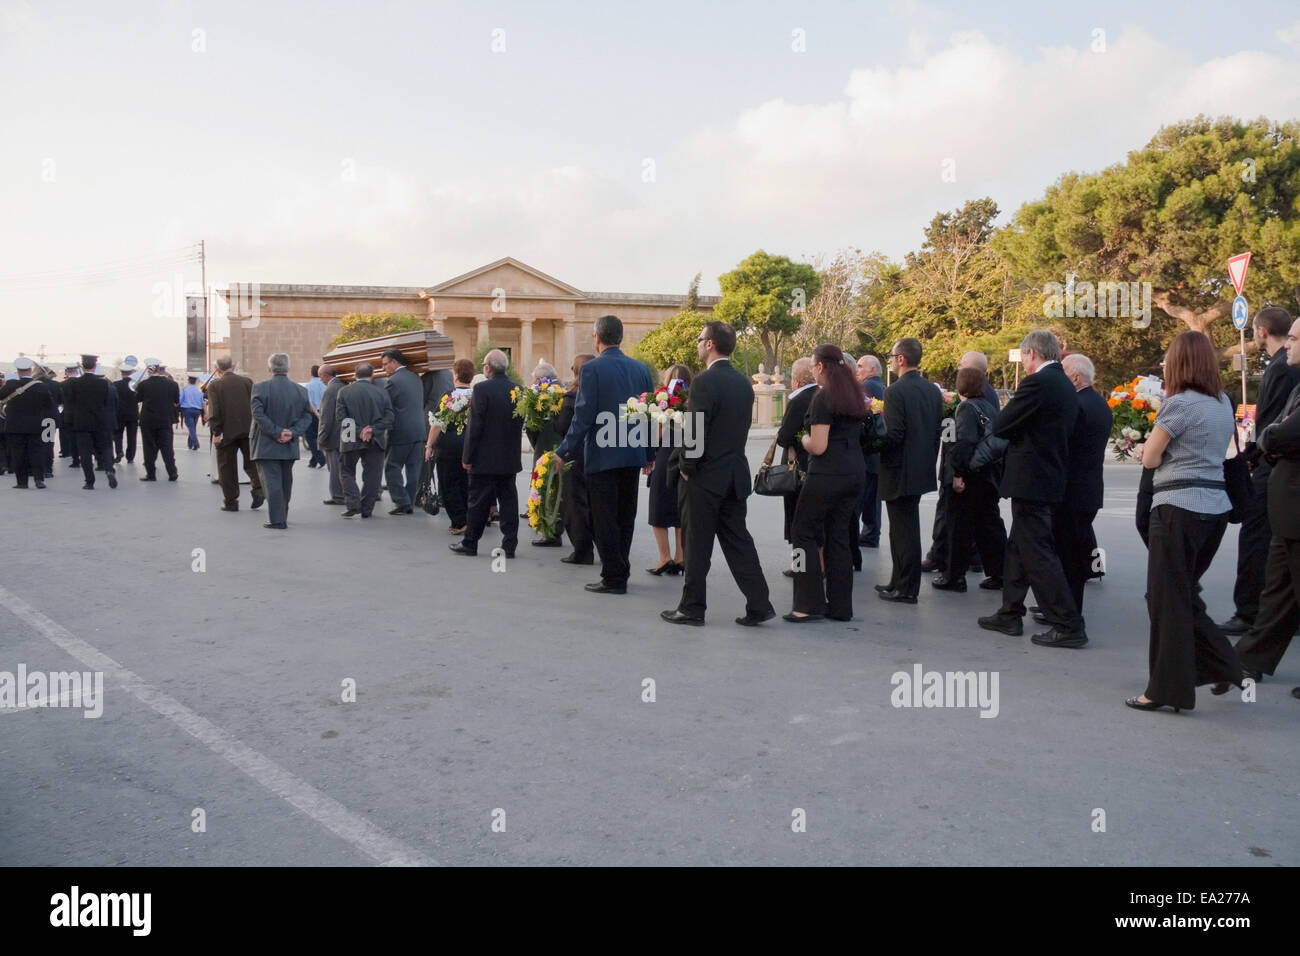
(326, 811)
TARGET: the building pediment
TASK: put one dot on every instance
(517, 279)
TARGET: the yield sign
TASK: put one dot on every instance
(1237, 270)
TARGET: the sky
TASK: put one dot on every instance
(620, 147)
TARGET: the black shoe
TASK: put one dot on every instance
(148, 478)
(1223, 686)
(991, 584)
(402, 510)
(666, 566)
(573, 558)
(117, 460)
(929, 565)
(1149, 705)
(546, 543)
(1295, 692)
(1040, 618)
(174, 477)
(880, 588)
(1059, 638)
(39, 483)
(677, 568)
(333, 501)
(1004, 623)
(600, 587)
(753, 620)
(941, 582)
(1235, 625)
(21, 486)
(351, 513)
(510, 554)
(459, 548)
(805, 619)
(87, 487)
(897, 597)
(1034, 609)
(787, 573)
(112, 481)
(277, 527)
(230, 507)
(677, 617)
(257, 501)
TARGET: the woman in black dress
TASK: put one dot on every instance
(575, 506)
(663, 500)
(973, 513)
(830, 493)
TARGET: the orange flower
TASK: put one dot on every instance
(1138, 405)
(1151, 416)
(1112, 402)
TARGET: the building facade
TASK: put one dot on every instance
(525, 312)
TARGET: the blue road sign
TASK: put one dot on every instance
(1240, 312)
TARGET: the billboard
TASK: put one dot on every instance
(196, 334)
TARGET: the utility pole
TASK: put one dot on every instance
(207, 337)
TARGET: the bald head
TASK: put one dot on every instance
(974, 360)
(801, 372)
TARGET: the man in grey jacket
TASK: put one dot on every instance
(281, 414)
(406, 442)
(327, 435)
(364, 416)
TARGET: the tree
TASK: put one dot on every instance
(673, 342)
(366, 325)
(768, 294)
(480, 354)
(835, 314)
(692, 303)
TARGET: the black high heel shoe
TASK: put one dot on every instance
(1149, 705)
(677, 568)
(667, 566)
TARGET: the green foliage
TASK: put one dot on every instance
(480, 353)
(366, 325)
(768, 294)
(673, 343)
(692, 303)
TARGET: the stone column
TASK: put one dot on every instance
(570, 345)
(526, 342)
(483, 321)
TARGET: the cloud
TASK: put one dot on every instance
(1290, 35)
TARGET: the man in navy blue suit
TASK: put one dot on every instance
(611, 464)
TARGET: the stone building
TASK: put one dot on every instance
(525, 312)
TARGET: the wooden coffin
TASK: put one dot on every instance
(425, 351)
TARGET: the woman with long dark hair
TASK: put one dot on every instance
(1189, 514)
(825, 511)
(663, 500)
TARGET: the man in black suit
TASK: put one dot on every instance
(1084, 488)
(804, 387)
(364, 415)
(128, 414)
(1253, 539)
(869, 507)
(714, 481)
(610, 463)
(87, 396)
(1279, 605)
(29, 419)
(1038, 422)
(492, 457)
(913, 408)
(160, 400)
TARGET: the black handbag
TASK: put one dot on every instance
(1236, 476)
(874, 430)
(784, 478)
(428, 497)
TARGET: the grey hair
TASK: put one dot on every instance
(802, 370)
(977, 360)
(225, 363)
(544, 370)
(364, 370)
(1078, 362)
(873, 362)
(278, 362)
(1044, 344)
(497, 361)
(327, 370)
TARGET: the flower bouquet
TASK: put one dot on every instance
(667, 405)
(950, 402)
(544, 494)
(538, 404)
(1134, 406)
(874, 429)
(453, 413)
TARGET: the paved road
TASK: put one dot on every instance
(480, 691)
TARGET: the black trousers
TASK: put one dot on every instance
(1075, 544)
(483, 491)
(575, 511)
(870, 509)
(1279, 609)
(453, 485)
(1187, 648)
(826, 514)
(227, 473)
(940, 533)
(1032, 561)
(372, 473)
(974, 520)
(1252, 549)
(155, 439)
(905, 543)
(67, 442)
(26, 456)
(613, 494)
(91, 446)
(129, 428)
(705, 516)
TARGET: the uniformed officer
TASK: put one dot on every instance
(128, 413)
(87, 400)
(159, 404)
(29, 418)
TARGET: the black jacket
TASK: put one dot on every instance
(564, 418)
(1281, 443)
(84, 399)
(27, 414)
(1084, 487)
(793, 421)
(128, 403)
(913, 415)
(1280, 380)
(160, 399)
(972, 420)
(717, 461)
(1038, 421)
(492, 439)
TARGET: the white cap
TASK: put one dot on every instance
(23, 363)
(152, 363)
(128, 364)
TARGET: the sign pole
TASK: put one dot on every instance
(1237, 267)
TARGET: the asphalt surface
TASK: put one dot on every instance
(514, 696)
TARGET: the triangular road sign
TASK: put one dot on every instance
(1237, 270)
